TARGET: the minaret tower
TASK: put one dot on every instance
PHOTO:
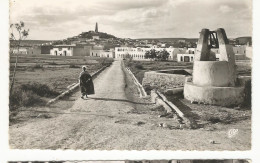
(96, 29)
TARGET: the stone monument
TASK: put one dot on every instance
(214, 81)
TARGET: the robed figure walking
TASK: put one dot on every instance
(86, 83)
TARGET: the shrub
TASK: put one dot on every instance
(148, 89)
(30, 94)
(23, 98)
(39, 89)
(128, 63)
(140, 67)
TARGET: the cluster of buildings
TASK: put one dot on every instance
(138, 53)
(98, 44)
(242, 52)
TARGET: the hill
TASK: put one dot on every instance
(33, 42)
(240, 40)
(90, 34)
(171, 39)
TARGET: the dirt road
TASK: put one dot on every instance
(103, 122)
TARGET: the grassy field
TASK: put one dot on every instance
(54, 73)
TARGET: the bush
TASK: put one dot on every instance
(30, 94)
(148, 89)
(23, 98)
(140, 67)
(39, 89)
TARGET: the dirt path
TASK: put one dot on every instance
(104, 122)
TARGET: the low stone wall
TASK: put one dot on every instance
(165, 79)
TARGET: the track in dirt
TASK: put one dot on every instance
(103, 122)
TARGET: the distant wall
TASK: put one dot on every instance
(34, 51)
(79, 51)
(46, 49)
(87, 49)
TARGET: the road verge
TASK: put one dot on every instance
(75, 86)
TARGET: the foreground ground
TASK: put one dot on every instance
(115, 118)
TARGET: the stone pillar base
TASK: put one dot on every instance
(223, 96)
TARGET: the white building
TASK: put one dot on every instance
(62, 50)
(95, 52)
(102, 53)
(241, 53)
(185, 57)
(138, 53)
(108, 53)
(95, 37)
(22, 50)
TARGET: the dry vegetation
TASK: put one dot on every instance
(42, 77)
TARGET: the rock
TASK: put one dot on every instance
(160, 124)
(165, 125)
(212, 142)
(139, 123)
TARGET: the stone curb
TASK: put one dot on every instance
(139, 86)
(75, 86)
(159, 98)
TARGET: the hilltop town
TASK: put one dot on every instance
(100, 44)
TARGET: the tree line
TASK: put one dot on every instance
(157, 55)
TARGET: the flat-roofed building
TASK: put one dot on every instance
(138, 53)
(62, 50)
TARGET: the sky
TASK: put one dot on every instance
(59, 19)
